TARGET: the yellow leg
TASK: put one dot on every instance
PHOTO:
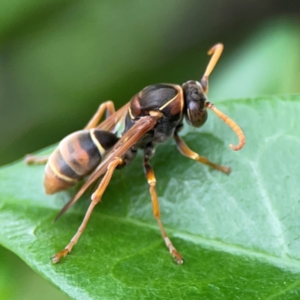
(155, 205)
(186, 151)
(96, 197)
(38, 160)
(107, 106)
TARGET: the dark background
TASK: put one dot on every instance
(60, 59)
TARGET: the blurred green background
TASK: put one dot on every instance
(60, 59)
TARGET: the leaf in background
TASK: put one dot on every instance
(239, 234)
(62, 59)
(6, 278)
(266, 64)
(18, 281)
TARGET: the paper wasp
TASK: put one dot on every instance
(151, 117)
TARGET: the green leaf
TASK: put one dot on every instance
(266, 64)
(239, 234)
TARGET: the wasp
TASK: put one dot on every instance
(151, 117)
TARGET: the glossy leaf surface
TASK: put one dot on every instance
(239, 234)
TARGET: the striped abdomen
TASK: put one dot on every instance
(77, 155)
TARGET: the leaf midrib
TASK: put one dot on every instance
(219, 245)
(286, 263)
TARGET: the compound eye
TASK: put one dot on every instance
(195, 116)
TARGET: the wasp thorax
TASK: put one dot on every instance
(195, 98)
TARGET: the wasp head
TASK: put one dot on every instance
(195, 99)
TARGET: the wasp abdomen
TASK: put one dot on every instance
(77, 155)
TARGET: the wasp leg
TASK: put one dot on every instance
(186, 151)
(38, 160)
(155, 205)
(96, 197)
(107, 106)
